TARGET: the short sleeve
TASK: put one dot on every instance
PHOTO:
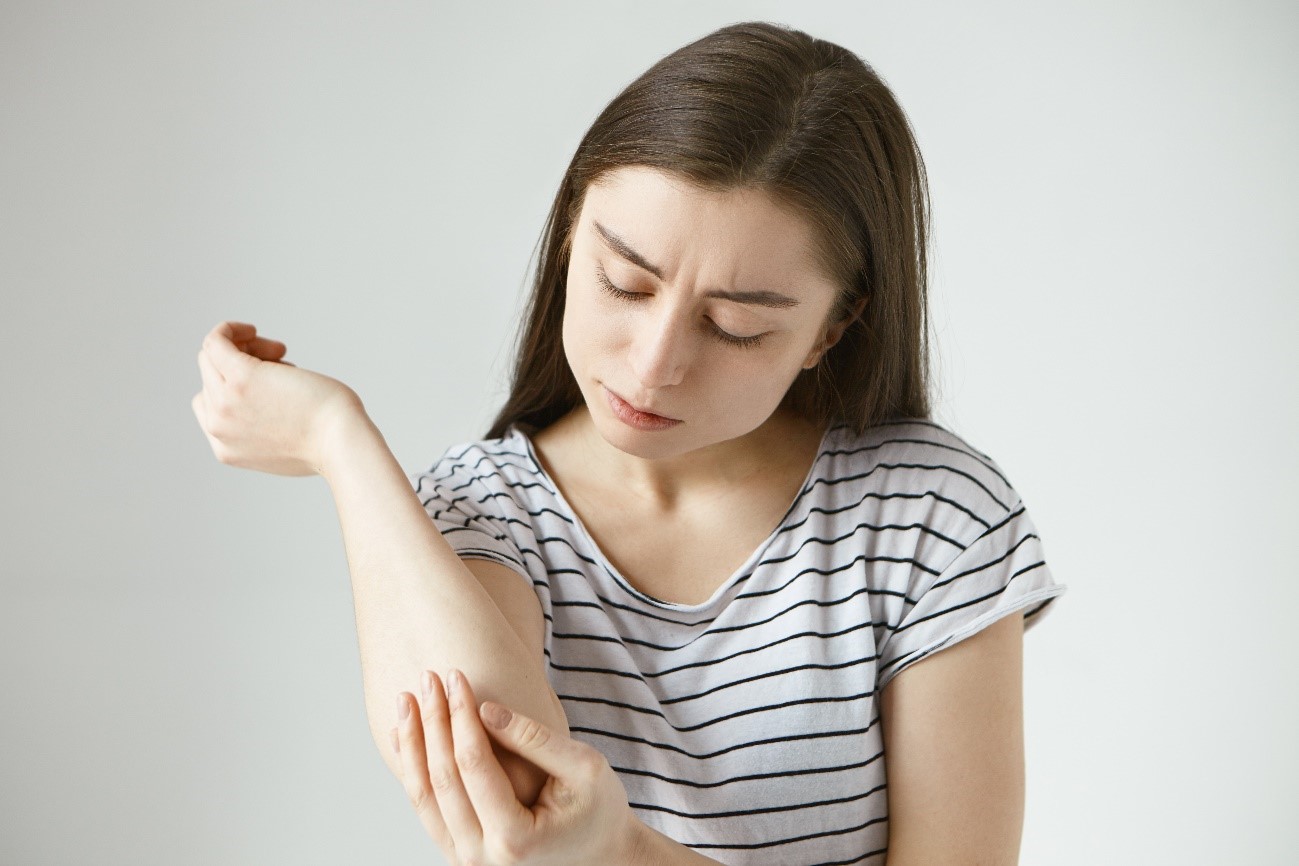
(1002, 571)
(461, 499)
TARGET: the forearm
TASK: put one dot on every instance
(417, 606)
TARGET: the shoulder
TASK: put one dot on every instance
(483, 466)
(917, 468)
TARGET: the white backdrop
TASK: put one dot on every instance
(1114, 304)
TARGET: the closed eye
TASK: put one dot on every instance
(726, 337)
(614, 290)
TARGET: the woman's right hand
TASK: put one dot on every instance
(261, 412)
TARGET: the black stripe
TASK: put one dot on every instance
(832, 541)
(911, 657)
(765, 674)
(765, 810)
(835, 569)
(720, 659)
(774, 842)
(730, 628)
(816, 509)
(513, 485)
(753, 776)
(982, 460)
(472, 529)
(933, 425)
(484, 553)
(940, 467)
(1029, 614)
(607, 603)
(748, 711)
(972, 601)
(828, 572)
(878, 852)
(989, 564)
(815, 735)
(460, 469)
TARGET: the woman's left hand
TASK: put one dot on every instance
(467, 804)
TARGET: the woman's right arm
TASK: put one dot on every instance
(420, 607)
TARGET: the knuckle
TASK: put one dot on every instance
(591, 764)
(472, 758)
(420, 798)
(533, 734)
(221, 415)
(510, 848)
(237, 382)
(443, 779)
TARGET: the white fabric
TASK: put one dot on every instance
(747, 727)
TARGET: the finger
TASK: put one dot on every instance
(264, 348)
(219, 343)
(199, 405)
(414, 772)
(236, 331)
(489, 789)
(212, 378)
(558, 755)
(454, 803)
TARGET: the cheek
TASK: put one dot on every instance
(590, 329)
(585, 332)
(747, 387)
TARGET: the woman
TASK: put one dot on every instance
(711, 535)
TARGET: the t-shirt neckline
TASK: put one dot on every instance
(603, 561)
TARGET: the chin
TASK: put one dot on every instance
(648, 445)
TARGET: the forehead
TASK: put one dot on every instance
(742, 234)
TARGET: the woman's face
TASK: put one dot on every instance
(698, 307)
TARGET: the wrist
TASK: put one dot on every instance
(635, 843)
(343, 427)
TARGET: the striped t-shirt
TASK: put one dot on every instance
(748, 727)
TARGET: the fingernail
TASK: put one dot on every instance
(455, 681)
(496, 715)
(403, 707)
(426, 684)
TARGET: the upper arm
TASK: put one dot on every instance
(954, 746)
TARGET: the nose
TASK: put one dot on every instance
(661, 350)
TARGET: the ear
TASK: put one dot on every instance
(834, 333)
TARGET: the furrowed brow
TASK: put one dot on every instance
(758, 298)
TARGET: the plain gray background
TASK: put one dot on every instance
(1114, 307)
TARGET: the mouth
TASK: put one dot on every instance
(637, 417)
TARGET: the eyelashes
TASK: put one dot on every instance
(614, 290)
(623, 295)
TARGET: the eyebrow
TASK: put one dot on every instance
(759, 298)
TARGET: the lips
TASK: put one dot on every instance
(636, 418)
(640, 410)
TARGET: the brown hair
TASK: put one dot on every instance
(765, 106)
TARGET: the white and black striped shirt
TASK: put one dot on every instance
(748, 727)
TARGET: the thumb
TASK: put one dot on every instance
(556, 754)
